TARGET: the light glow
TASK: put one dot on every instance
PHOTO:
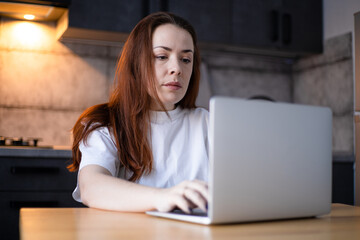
(28, 34)
(29, 17)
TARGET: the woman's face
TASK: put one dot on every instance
(173, 50)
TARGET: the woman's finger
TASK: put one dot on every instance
(183, 204)
(196, 198)
(198, 186)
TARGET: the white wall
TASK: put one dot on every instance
(339, 16)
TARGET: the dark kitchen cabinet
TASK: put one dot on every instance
(274, 26)
(277, 25)
(211, 19)
(108, 15)
(343, 179)
(285, 25)
(302, 26)
(32, 182)
(101, 20)
(255, 23)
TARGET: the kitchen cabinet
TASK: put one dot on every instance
(32, 181)
(276, 26)
(343, 179)
(288, 26)
(107, 15)
(284, 25)
(256, 23)
(211, 19)
(303, 31)
(103, 20)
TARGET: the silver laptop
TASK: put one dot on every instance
(268, 161)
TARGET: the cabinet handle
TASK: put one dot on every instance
(274, 15)
(34, 170)
(286, 28)
(21, 204)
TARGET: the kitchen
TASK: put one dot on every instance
(47, 80)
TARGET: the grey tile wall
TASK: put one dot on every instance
(327, 80)
(42, 92)
(245, 76)
(52, 126)
(52, 81)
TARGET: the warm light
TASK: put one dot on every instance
(29, 17)
(29, 34)
(33, 35)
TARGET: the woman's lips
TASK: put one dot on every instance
(173, 85)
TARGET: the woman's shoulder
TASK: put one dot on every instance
(101, 134)
(196, 114)
(103, 131)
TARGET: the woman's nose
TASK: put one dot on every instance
(175, 68)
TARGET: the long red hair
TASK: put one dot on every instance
(127, 112)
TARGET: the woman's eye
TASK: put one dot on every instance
(161, 57)
(186, 60)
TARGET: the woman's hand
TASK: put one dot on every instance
(185, 196)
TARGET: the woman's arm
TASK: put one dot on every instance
(101, 190)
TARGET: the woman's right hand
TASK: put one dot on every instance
(185, 196)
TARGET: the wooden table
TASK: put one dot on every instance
(85, 223)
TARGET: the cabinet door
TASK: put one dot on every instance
(256, 23)
(302, 26)
(285, 25)
(107, 15)
(211, 19)
(11, 202)
(35, 174)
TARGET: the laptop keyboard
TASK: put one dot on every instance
(194, 212)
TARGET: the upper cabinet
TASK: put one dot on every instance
(302, 26)
(288, 26)
(256, 23)
(108, 20)
(282, 26)
(211, 19)
(108, 15)
(285, 25)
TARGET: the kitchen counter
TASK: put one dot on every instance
(51, 152)
(89, 223)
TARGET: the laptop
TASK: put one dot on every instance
(268, 161)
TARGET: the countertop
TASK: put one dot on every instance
(54, 152)
(89, 223)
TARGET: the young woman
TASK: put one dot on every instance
(147, 148)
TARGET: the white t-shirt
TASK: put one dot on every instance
(179, 146)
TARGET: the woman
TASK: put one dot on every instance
(147, 147)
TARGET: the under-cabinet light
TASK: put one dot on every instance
(29, 17)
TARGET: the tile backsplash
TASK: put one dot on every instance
(43, 91)
(327, 80)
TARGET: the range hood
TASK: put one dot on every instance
(40, 10)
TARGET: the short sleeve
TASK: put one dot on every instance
(100, 149)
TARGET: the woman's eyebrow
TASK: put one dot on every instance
(169, 49)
